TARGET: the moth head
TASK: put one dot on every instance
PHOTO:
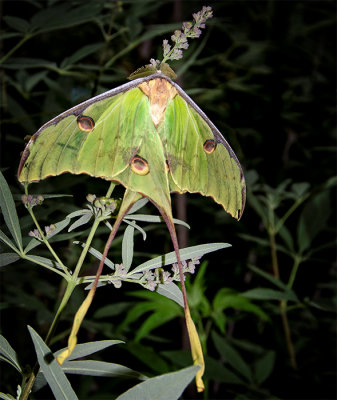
(153, 68)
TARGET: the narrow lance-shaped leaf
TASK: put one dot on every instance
(163, 387)
(8, 354)
(9, 211)
(53, 373)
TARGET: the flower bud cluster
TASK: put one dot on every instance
(120, 272)
(150, 279)
(190, 30)
(159, 276)
(104, 206)
(31, 201)
(48, 229)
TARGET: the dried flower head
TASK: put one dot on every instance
(190, 30)
(31, 201)
(35, 234)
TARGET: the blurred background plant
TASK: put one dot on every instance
(266, 308)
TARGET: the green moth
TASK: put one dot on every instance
(149, 136)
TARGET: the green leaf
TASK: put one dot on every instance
(138, 205)
(132, 223)
(231, 356)
(171, 291)
(264, 366)
(259, 241)
(44, 261)
(181, 358)
(5, 239)
(149, 356)
(127, 247)
(8, 209)
(6, 396)
(300, 188)
(269, 294)
(84, 219)
(164, 387)
(275, 281)
(63, 16)
(287, 237)
(185, 254)
(158, 318)
(8, 258)
(18, 24)
(110, 310)
(93, 368)
(81, 53)
(154, 219)
(228, 299)
(52, 371)
(257, 205)
(217, 372)
(137, 311)
(313, 219)
(101, 368)
(31, 245)
(8, 354)
(98, 255)
(86, 349)
(34, 80)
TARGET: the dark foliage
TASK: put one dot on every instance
(264, 72)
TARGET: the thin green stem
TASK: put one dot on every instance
(293, 273)
(287, 334)
(110, 190)
(296, 204)
(17, 46)
(69, 289)
(274, 259)
(86, 247)
(90, 237)
(45, 241)
(35, 261)
(283, 303)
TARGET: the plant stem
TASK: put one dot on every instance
(71, 284)
(72, 281)
(296, 204)
(86, 248)
(274, 259)
(294, 270)
(283, 303)
(29, 385)
(90, 237)
(110, 190)
(18, 45)
(287, 334)
(45, 241)
(35, 261)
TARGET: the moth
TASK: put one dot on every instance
(152, 138)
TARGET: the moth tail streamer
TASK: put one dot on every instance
(129, 199)
(196, 349)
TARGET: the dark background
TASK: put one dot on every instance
(264, 73)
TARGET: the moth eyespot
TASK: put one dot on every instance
(209, 146)
(139, 166)
(86, 124)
